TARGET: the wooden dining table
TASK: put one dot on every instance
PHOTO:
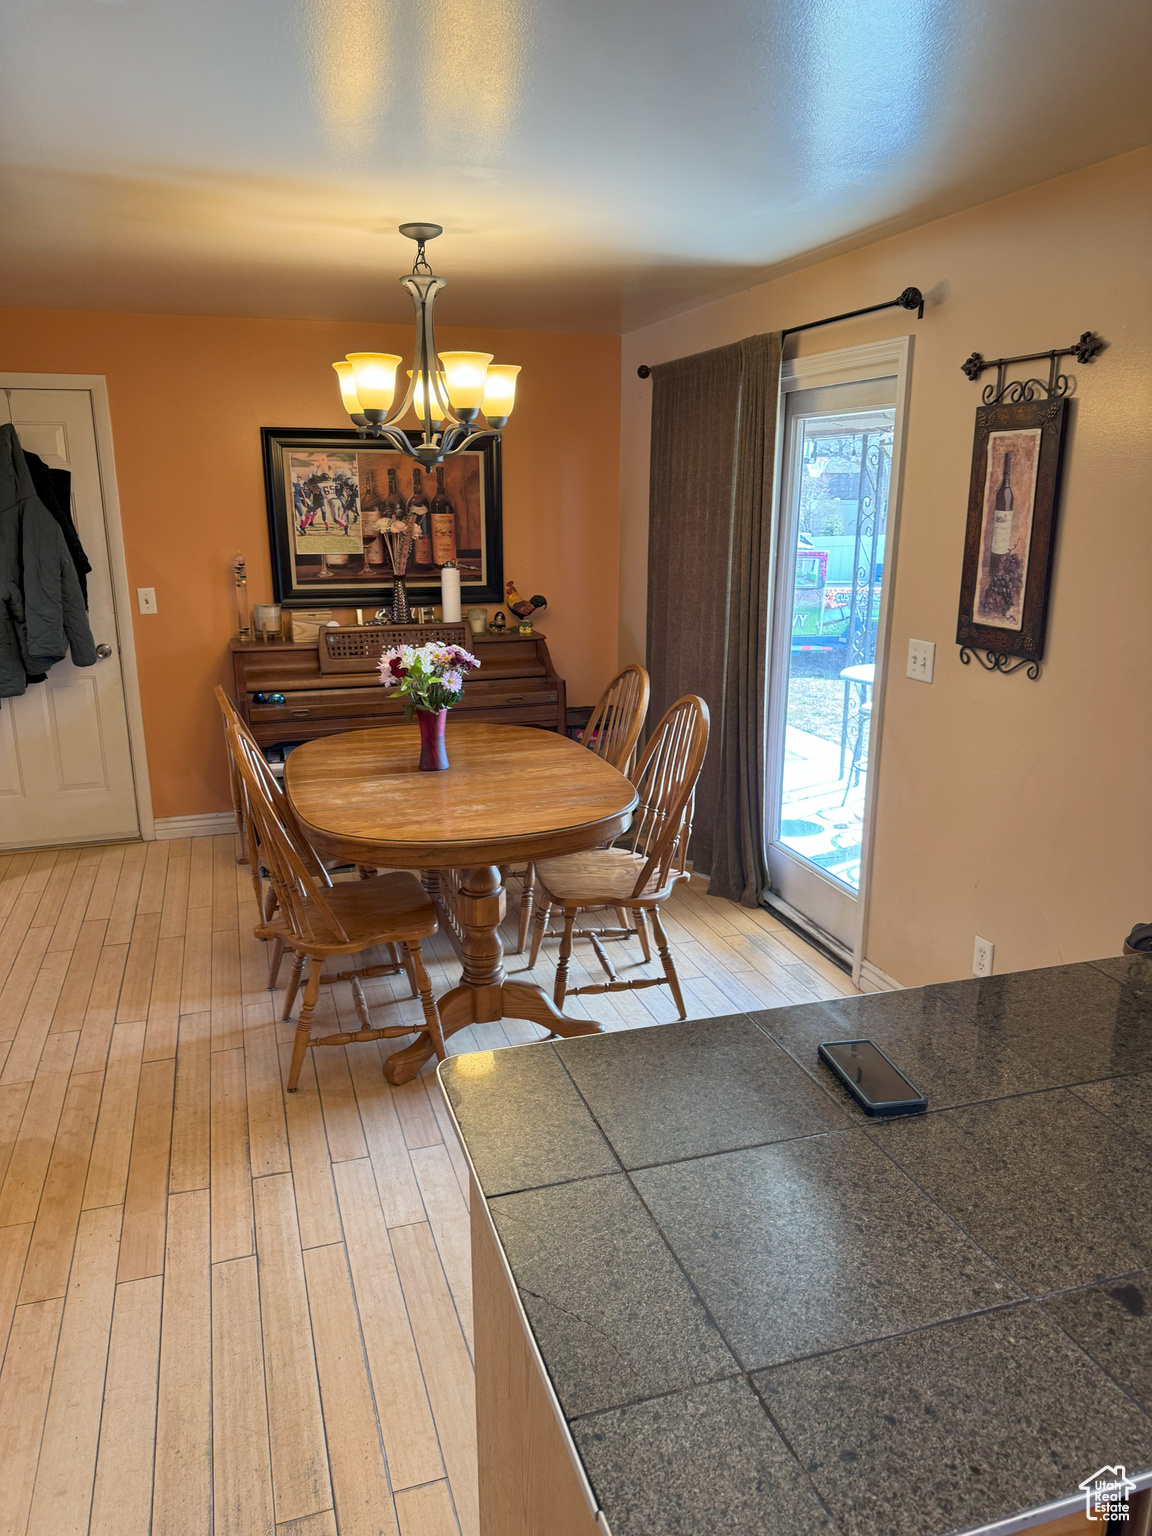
(511, 795)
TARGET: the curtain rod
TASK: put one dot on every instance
(911, 298)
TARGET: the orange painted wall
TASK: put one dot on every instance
(188, 397)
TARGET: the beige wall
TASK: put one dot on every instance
(1014, 809)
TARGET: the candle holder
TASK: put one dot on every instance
(240, 576)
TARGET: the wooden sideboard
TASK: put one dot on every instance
(516, 684)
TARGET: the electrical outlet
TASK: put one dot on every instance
(921, 660)
(982, 957)
(146, 599)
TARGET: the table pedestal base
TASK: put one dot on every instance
(463, 1006)
(484, 995)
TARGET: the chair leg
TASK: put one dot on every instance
(411, 971)
(670, 975)
(642, 933)
(275, 955)
(539, 926)
(294, 984)
(527, 898)
(428, 1002)
(561, 986)
(304, 1027)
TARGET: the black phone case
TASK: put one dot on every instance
(915, 1105)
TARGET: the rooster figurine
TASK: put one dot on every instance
(522, 607)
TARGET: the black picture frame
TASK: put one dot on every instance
(1004, 592)
(313, 581)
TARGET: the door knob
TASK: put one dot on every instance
(103, 651)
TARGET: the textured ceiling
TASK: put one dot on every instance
(596, 163)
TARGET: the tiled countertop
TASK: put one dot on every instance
(765, 1313)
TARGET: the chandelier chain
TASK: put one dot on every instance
(421, 263)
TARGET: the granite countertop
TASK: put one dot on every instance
(765, 1313)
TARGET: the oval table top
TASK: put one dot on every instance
(511, 792)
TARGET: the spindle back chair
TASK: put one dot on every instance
(241, 743)
(265, 892)
(612, 732)
(639, 872)
(323, 919)
(615, 724)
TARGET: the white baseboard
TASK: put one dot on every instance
(873, 979)
(212, 824)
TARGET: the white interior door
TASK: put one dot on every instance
(65, 758)
(831, 574)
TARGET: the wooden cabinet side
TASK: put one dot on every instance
(528, 1484)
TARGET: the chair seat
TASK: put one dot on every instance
(600, 877)
(384, 909)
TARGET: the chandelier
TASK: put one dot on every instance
(448, 390)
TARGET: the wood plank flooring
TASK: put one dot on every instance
(225, 1311)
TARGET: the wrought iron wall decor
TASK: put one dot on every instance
(1021, 390)
(1012, 496)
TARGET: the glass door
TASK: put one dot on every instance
(829, 579)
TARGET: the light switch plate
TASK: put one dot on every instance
(146, 599)
(921, 660)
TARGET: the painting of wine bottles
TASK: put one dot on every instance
(1009, 539)
(333, 497)
(1006, 526)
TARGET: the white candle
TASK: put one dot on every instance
(450, 594)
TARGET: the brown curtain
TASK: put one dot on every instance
(695, 405)
(709, 585)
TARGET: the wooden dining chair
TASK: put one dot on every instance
(263, 887)
(640, 875)
(265, 891)
(612, 732)
(320, 921)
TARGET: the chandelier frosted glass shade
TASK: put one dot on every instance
(448, 391)
(375, 377)
(465, 378)
(348, 396)
(499, 393)
(438, 399)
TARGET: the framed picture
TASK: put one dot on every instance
(1011, 526)
(327, 491)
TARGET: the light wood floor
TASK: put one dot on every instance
(224, 1309)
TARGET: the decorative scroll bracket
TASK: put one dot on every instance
(1020, 390)
(997, 661)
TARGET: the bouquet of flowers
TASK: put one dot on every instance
(428, 677)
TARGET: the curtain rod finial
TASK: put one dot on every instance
(643, 371)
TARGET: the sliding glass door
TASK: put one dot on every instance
(830, 568)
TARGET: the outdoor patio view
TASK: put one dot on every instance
(839, 562)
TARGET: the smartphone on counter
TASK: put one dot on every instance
(874, 1081)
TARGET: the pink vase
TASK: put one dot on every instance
(432, 753)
